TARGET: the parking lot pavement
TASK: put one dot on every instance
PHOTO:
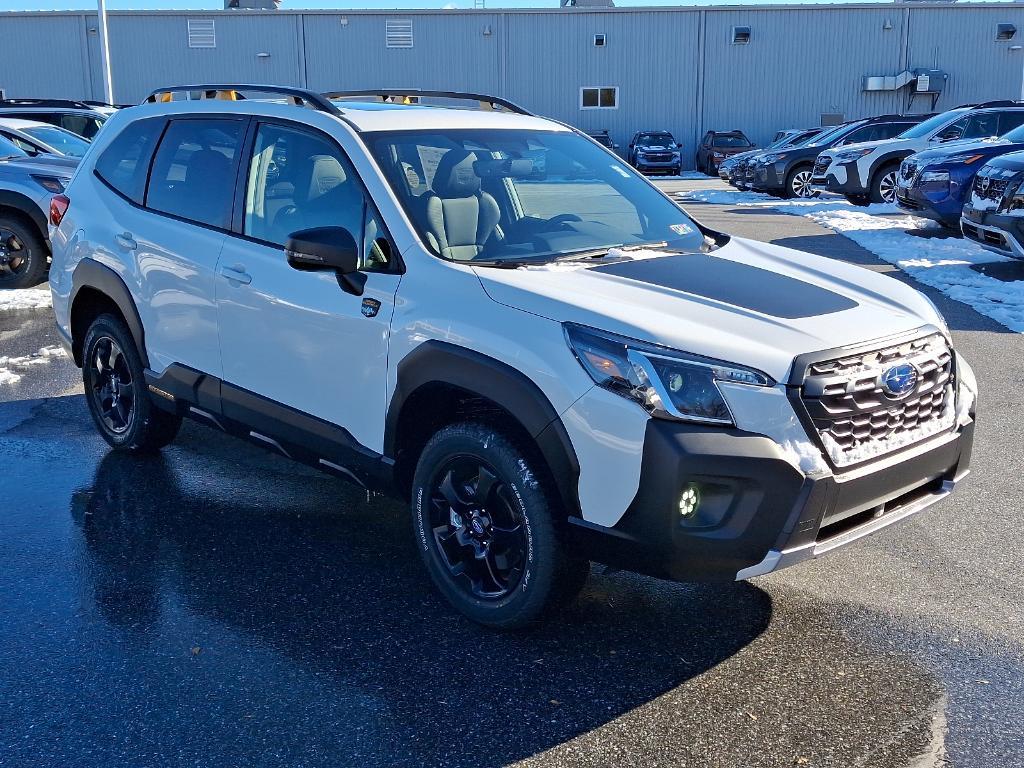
(218, 605)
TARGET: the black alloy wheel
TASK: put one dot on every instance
(112, 386)
(478, 531)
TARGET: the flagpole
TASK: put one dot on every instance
(108, 84)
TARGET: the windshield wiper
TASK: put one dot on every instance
(600, 253)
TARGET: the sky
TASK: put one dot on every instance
(66, 5)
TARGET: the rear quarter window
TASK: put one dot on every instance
(123, 165)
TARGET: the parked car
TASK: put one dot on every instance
(655, 152)
(993, 215)
(27, 185)
(546, 372)
(789, 173)
(937, 182)
(37, 138)
(602, 138)
(75, 116)
(867, 171)
(734, 169)
(716, 146)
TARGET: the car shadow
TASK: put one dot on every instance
(1004, 271)
(341, 594)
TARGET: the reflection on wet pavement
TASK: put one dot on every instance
(217, 605)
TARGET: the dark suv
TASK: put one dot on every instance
(655, 152)
(75, 116)
(993, 215)
(788, 173)
(716, 146)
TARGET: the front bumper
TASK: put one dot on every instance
(654, 166)
(943, 207)
(758, 513)
(1000, 233)
(841, 179)
(768, 178)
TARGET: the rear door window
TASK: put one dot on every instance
(982, 125)
(124, 163)
(193, 174)
(1010, 120)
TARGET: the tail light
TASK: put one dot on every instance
(58, 207)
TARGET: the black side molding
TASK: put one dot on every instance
(92, 274)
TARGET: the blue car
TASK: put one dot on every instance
(936, 183)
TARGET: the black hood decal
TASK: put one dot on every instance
(735, 283)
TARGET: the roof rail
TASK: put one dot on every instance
(999, 103)
(233, 92)
(413, 95)
(68, 103)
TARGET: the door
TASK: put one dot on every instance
(297, 337)
(172, 227)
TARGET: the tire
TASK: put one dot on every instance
(883, 184)
(798, 183)
(116, 392)
(23, 253)
(486, 529)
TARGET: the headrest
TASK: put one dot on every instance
(327, 174)
(455, 176)
(208, 162)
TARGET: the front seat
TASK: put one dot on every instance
(460, 217)
(329, 198)
(206, 186)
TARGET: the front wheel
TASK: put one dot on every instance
(798, 183)
(883, 185)
(486, 529)
(116, 391)
(23, 254)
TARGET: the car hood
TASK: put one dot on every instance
(988, 147)
(1012, 161)
(747, 302)
(53, 164)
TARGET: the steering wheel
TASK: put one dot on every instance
(562, 218)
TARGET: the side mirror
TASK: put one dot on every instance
(323, 248)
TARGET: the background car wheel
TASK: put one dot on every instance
(485, 527)
(23, 253)
(798, 183)
(115, 389)
(883, 185)
(861, 200)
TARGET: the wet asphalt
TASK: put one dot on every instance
(221, 606)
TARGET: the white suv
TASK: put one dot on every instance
(496, 319)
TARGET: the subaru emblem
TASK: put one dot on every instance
(900, 380)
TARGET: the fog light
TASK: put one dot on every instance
(689, 500)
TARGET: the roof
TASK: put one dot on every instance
(370, 116)
(20, 123)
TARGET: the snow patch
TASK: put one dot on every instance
(9, 366)
(25, 298)
(942, 263)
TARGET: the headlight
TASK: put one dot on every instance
(675, 155)
(940, 177)
(52, 184)
(667, 383)
(773, 158)
(851, 155)
(966, 159)
(1013, 198)
(718, 155)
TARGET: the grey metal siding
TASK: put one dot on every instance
(675, 68)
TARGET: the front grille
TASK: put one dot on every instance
(658, 157)
(989, 187)
(985, 236)
(857, 419)
(820, 166)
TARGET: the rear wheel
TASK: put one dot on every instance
(798, 183)
(116, 392)
(23, 253)
(485, 528)
(883, 185)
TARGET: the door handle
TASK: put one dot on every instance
(126, 241)
(236, 274)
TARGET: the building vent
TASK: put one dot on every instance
(398, 33)
(740, 35)
(599, 41)
(829, 119)
(1005, 32)
(202, 33)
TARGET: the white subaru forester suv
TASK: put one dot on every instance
(494, 318)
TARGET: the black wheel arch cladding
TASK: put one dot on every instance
(478, 375)
(90, 274)
(21, 205)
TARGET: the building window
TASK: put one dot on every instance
(599, 97)
(202, 33)
(398, 33)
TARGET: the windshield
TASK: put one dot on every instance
(656, 140)
(1016, 135)
(9, 149)
(730, 141)
(63, 141)
(921, 130)
(829, 135)
(508, 196)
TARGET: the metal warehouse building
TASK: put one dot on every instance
(758, 68)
